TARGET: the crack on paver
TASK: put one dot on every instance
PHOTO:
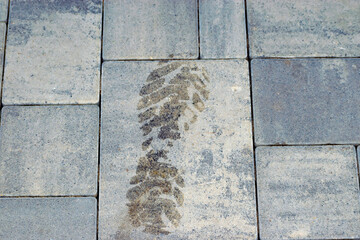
(169, 105)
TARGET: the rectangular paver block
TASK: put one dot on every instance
(306, 28)
(176, 151)
(158, 29)
(49, 151)
(308, 192)
(222, 29)
(53, 52)
(47, 218)
(306, 101)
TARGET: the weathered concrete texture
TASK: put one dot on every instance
(306, 101)
(48, 218)
(307, 28)
(158, 29)
(49, 151)
(308, 192)
(222, 29)
(206, 182)
(2, 44)
(53, 52)
(3, 10)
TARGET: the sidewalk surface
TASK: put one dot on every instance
(191, 119)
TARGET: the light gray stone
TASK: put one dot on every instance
(212, 152)
(306, 101)
(49, 151)
(47, 218)
(308, 192)
(3, 10)
(307, 28)
(158, 29)
(222, 29)
(53, 52)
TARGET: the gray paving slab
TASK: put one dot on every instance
(306, 101)
(307, 28)
(49, 151)
(176, 151)
(53, 52)
(222, 29)
(158, 29)
(3, 10)
(47, 218)
(308, 192)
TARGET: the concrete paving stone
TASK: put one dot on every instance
(307, 28)
(47, 218)
(222, 29)
(49, 151)
(53, 52)
(158, 29)
(176, 151)
(2, 44)
(306, 101)
(3, 10)
(308, 192)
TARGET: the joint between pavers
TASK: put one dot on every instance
(99, 139)
(50, 196)
(306, 145)
(173, 59)
(252, 120)
(357, 164)
(49, 105)
(198, 28)
(308, 57)
(4, 55)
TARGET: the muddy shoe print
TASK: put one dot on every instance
(169, 105)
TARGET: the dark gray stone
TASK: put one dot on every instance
(222, 29)
(306, 101)
(158, 29)
(53, 52)
(306, 28)
(210, 161)
(49, 151)
(308, 192)
(47, 218)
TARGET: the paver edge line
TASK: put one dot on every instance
(304, 57)
(171, 59)
(48, 196)
(307, 145)
(198, 28)
(252, 120)
(4, 50)
(357, 148)
(50, 105)
(99, 104)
